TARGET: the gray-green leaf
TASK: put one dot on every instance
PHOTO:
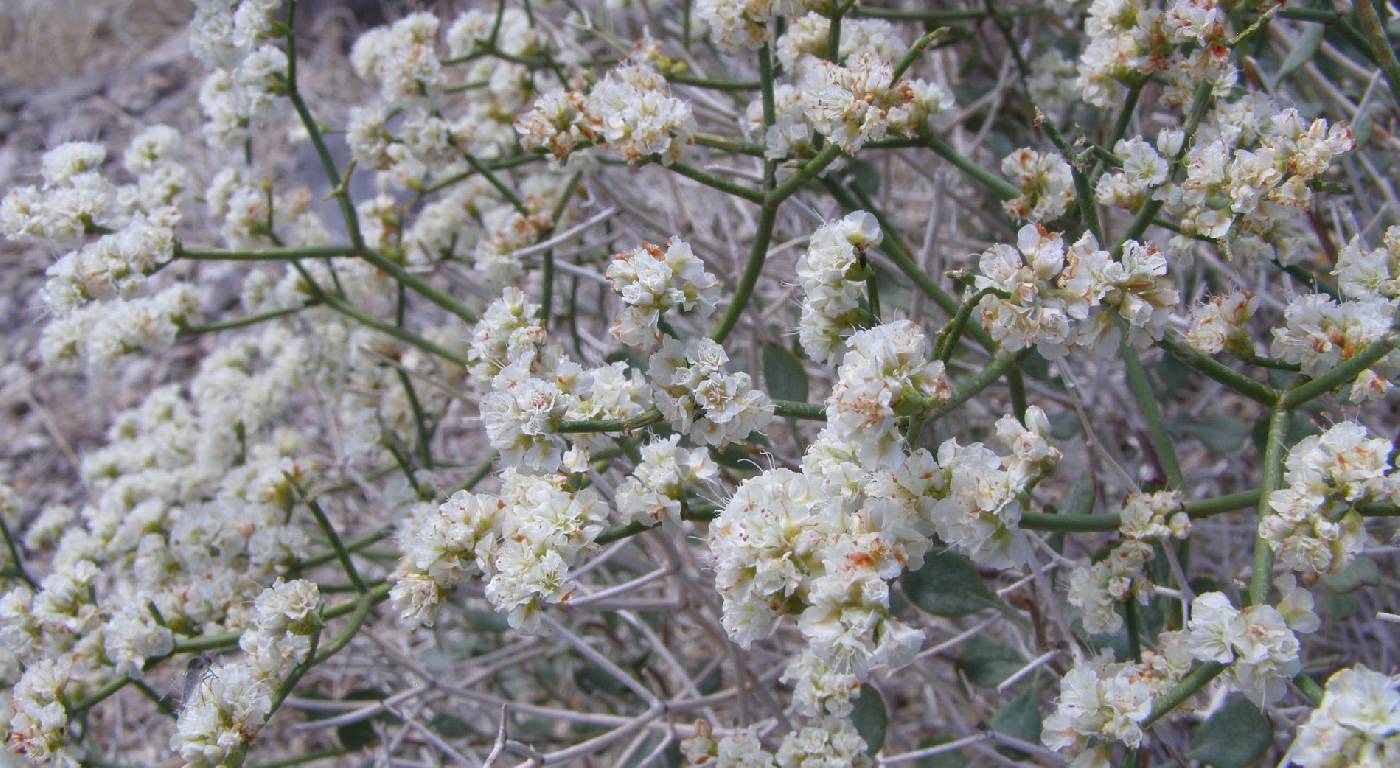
(1234, 737)
(1020, 719)
(784, 374)
(948, 585)
(987, 662)
(870, 718)
(1222, 434)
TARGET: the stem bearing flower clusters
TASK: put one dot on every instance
(726, 450)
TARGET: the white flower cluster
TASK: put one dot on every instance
(1312, 524)
(524, 408)
(700, 398)
(402, 58)
(631, 111)
(1320, 332)
(736, 25)
(1258, 643)
(1045, 181)
(655, 491)
(509, 332)
(1098, 588)
(652, 282)
(831, 284)
(231, 701)
(1368, 274)
(860, 101)
(885, 374)
(1250, 172)
(99, 296)
(1103, 700)
(1222, 322)
(828, 742)
(249, 72)
(1038, 292)
(1180, 41)
(1142, 171)
(1357, 723)
(824, 543)
(523, 543)
(807, 37)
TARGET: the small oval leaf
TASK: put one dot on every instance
(948, 585)
(1234, 737)
(784, 374)
(870, 718)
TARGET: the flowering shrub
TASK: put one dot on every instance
(683, 383)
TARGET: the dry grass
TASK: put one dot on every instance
(43, 42)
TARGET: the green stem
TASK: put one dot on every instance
(1259, 580)
(15, 560)
(1222, 373)
(646, 419)
(947, 339)
(803, 175)
(1157, 433)
(692, 512)
(336, 544)
(245, 321)
(1339, 375)
(1149, 209)
(1016, 383)
(996, 184)
(1192, 682)
(986, 377)
(1130, 626)
(758, 253)
(392, 330)
(924, 41)
(1380, 44)
(1082, 194)
(714, 182)
(714, 85)
(1309, 687)
(794, 409)
(729, 145)
(267, 254)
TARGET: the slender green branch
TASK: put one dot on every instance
(359, 611)
(1192, 682)
(729, 145)
(324, 522)
(947, 339)
(392, 330)
(803, 175)
(1336, 377)
(924, 41)
(267, 254)
(13, 548)
(714, 85)
(1381, 47)
(984, 378)
(1259, 580)
(245, 321)
(1309, 687)
(1083, 195)
(1149, 209)
(1157, 433)
(993, 182)
(1130, 626)
(714, 182)
(692, 512)
(758, 253)
(793, 409)
(1222, 373)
